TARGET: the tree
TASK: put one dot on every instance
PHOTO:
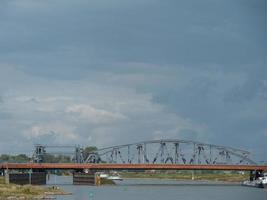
(50, 158)
(21, 158)
(4, 158)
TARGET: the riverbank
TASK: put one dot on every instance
(221, 177)
(27, 192)
(105, 181)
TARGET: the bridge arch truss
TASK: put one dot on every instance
(170, 152)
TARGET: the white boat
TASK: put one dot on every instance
(102, 175)
(115, 178)
(255, 183)
(261, 182)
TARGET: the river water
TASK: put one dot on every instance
(158, 190)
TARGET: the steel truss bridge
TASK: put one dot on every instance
(155, 152)
(170, 152)
(147, 155)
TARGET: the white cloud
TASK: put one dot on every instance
(178, 128)
(94, 115)
(90, 111)
(62, 132)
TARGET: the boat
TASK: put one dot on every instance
(255, 183)
(115, 178)
(261, 182)
(103, 175)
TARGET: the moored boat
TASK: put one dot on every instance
(261, 182)
(255, 183)
(115, 178)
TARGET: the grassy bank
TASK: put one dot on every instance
(25, 192)
(2, 180)
(188, 175)
(107, 182)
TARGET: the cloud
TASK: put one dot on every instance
(94, 115)
(109, 106)
(113, 72)
(62, 133)
(89, 110)
(247, 91)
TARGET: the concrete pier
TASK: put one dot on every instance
(80, 178)
(35, 178)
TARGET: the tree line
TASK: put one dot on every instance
(49, 158)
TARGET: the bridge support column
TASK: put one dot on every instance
(82, 178)
(27, 177)
(6, 174)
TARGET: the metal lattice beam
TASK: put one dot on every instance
(170, 152)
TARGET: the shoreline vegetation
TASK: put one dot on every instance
(107, 182)
(27, 192)
(231, 177)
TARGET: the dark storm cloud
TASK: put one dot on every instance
(178, 32)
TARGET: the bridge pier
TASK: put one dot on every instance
(85, 178)
(36, 177)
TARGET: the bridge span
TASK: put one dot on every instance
(75, 166)
(167, 154)
(165, 151)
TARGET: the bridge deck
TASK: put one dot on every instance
(73, 166)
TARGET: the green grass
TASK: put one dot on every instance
(2, 180)
(26, 192)
(107, 182)
(232, 177)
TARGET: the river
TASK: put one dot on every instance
(136, 189)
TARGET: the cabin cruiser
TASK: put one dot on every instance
(103, 175)
(115, 178)
(261, 182)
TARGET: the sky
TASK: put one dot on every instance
(106, 72)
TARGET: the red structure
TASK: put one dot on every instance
(73, 166)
